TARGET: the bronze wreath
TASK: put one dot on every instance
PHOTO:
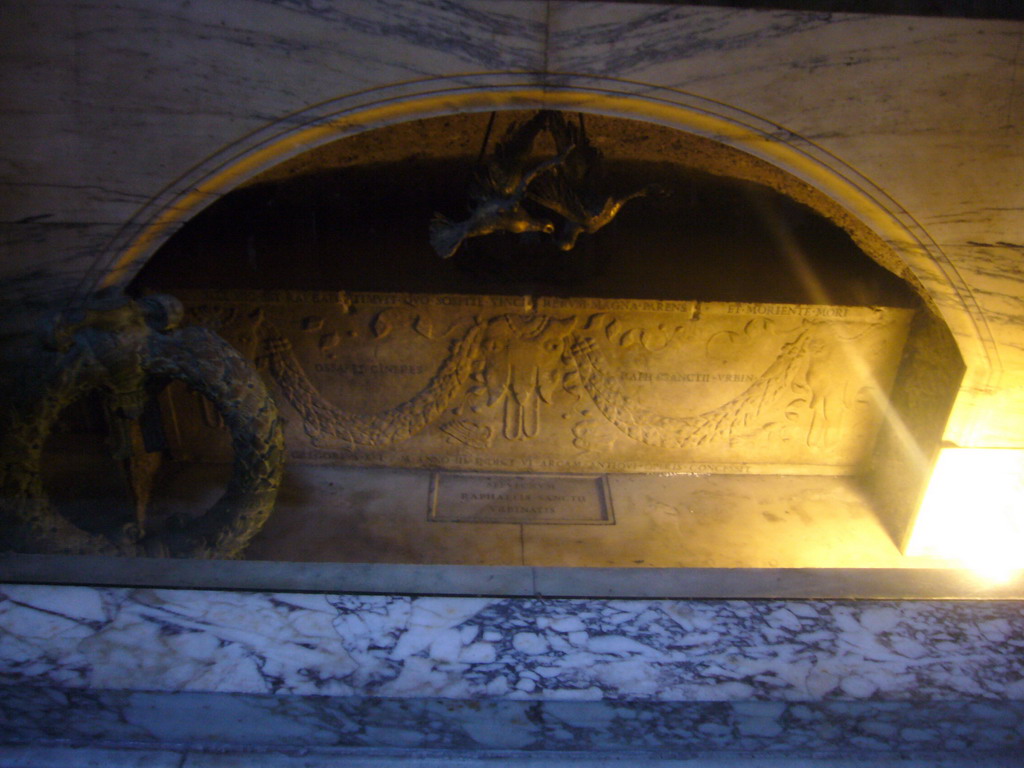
(118, 346)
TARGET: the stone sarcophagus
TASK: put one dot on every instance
(556, 385)
(560, 362)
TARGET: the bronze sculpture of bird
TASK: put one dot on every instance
(499, 192)
(580, 212)
(494, 215)
(569, 189)
(564, 188)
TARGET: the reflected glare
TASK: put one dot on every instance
(973, 512)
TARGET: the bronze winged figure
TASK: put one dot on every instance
(499, 191)
(570, 189)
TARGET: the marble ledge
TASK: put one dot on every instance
(909, 583)
(84, 639)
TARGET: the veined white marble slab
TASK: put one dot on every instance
(99, 757)
(510, 648)
(322, 724)
(110, 104)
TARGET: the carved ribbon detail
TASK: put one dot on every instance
(728, 421)
(325, 420)
(522, 363)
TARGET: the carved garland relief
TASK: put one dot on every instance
(562, 385)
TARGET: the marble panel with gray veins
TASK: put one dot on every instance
(261, 721)
(510, 648)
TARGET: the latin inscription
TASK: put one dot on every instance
(370, 369)
(683, 378)
(792, 310)
(478, 498)
(522, 384)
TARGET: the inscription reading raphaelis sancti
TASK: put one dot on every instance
(477, 498)
(559, 385)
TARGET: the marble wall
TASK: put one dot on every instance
(114, 114)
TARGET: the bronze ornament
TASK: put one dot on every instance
(124, 349)
(559, 198)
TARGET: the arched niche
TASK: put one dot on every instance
(344, 205)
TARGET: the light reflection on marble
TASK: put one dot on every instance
(889, 106)
(531, 649)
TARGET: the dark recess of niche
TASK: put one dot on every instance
(364, 228)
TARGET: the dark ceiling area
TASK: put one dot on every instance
(356, 215)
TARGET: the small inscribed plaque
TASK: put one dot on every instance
(468, 497)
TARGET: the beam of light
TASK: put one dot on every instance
(973, 512)
(812, 285)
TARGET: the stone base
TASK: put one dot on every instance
(245, 671)
(251, 722)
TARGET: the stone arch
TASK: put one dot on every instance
(879, 225)
(953, 328)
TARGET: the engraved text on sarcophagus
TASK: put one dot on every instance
(512, 383)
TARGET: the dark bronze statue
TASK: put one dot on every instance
(559, 197)
(572, 190)
(125, 350)
(498, 192)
